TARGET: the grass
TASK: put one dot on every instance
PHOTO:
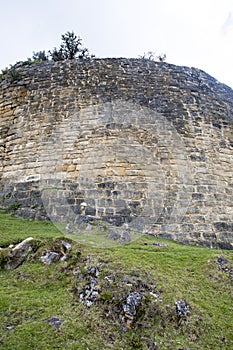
(35, 292)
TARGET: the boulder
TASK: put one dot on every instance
(19, 254)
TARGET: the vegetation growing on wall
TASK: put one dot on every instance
(152, 56)
(71, 47)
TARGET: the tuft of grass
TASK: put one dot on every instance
(35, 292)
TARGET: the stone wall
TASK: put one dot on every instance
(143, 144)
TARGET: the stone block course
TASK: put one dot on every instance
(141, 142)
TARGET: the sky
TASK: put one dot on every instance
(194, 33)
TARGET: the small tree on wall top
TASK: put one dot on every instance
(70, 45)
(70, 48)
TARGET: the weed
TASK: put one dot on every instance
(13, 207)
(106, 295)
(136, 342)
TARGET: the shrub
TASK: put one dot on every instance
(40, 56)
(151, 56)
(70, 48)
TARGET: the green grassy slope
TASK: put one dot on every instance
(33, 293)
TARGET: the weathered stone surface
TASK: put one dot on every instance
(182, 309)
(142, 143)
(54, 321)
(19, 254)
(90, 291)
(132, 302)
(114, 234)
(50, 257)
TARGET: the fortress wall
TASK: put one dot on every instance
(142, 143)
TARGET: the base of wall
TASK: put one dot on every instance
(62, 201)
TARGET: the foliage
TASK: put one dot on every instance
(11, 74)
(14, 206)
(40, 56)
(151, 56)
(70, 48)
(56, 55)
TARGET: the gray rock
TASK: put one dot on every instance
(159, 244)
(114, 234)
(89, 226)
(94, 282)
(125, 237)
(90, 292)
(19, 254)
(221, 261)
(132, 302)
(182, 308)
(93, 271)
(225, 266)
(54, 321)
(66, 245)
(49, 257)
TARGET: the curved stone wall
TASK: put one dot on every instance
(145, 145)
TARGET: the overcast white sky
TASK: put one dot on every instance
(196, 33)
